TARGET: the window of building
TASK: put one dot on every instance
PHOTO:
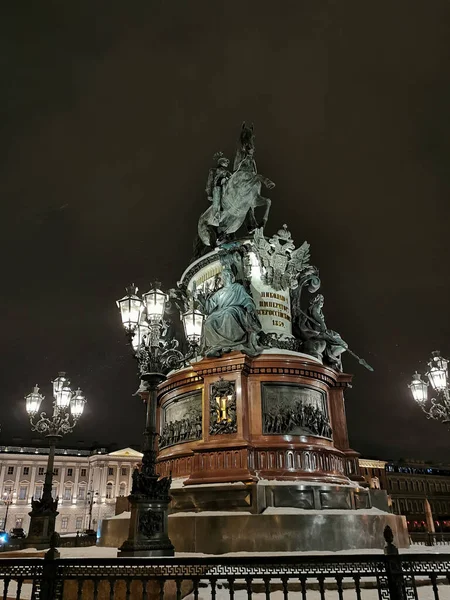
(124, 471)
(83, 472)
(64, 522)
(81, 492)
(26, 470)
(54, 493)
(23, 492)
(123, 489)
(69, 472)
(56, 472)
(109, 490)
(10, 470)
(110, 471)
(79, 523)
(67, 494)
(38, 492)
(41, 471)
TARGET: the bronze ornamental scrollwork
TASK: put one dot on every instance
(222, 407)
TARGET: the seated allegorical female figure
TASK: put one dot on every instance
(232, 322)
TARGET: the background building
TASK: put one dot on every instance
(87, 484)
(410, 484)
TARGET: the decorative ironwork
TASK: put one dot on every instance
(68, 407)
(394, 577)
(150, 522)
(159, 354)
(149, 492)
(222, 404)
(294, 410)
(439, 407)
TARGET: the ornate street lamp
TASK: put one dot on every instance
(92, 498)
(193, 320)
(68, 407)
(7, 499)
(438, 378)
(143, 320)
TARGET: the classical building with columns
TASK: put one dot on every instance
(410, 485)
(86, 483)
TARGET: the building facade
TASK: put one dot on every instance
(86, 483)
(410, 485)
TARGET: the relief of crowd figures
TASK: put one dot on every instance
(294, 411)
(181, 430)
(284, 421)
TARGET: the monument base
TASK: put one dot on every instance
(285, 530)
(269, 516)
(277, 530)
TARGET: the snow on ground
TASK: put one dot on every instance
(272, 510)
(102, 552)
(123, 515)
(424, 593)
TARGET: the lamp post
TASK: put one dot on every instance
(437, 374)
(7, 501)
(92, 498)
(68, 407)
(143, 320)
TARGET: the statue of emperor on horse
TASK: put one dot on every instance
(234, 196)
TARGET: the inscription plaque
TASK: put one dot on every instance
(294, 410)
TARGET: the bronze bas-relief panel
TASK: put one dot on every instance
(182, 420)
(292, 409)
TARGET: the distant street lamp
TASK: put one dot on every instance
(92, 498)
(146, 328)
(437, 374)
(7, 498)
(68, 407)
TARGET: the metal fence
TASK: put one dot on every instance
(429, 539)
(364, 577)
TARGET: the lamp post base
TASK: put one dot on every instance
(42, 528)
(147, 535)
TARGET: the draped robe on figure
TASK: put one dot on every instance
(232, 322)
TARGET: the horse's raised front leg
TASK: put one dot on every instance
(261, 201)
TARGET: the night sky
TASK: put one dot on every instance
(110, 113)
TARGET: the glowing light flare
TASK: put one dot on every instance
(33, 401)
(155, 303)
(419, 388)
(63, 397)
(438, 372)
(131, 308)
(140, 335)
(60, 382)
(77, 404)
(193, 320)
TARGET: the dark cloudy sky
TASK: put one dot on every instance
(110, 113)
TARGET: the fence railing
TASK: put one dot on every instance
(396, 577)
(429, 539)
